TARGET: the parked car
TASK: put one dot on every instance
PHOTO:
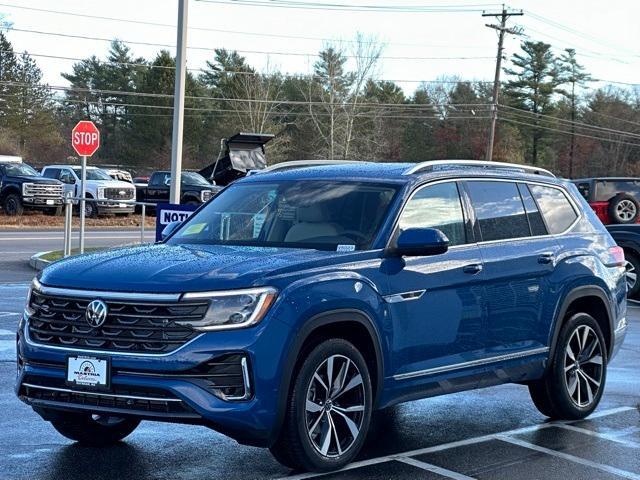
(102, 190)
(295, 303)
(615, 200)
(628, 237)
(194, 189)
(22, 187)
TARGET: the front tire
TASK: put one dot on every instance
(94, 430)
(329, 409)
(12, 205)
(90, 209)
(574, 382)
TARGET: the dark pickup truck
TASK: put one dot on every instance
(194, 189)
(21, 187)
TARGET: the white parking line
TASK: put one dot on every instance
(435, 469)
(8, 314)
(571, 458)
(458, 443)
(604, 436)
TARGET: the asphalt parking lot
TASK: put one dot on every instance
(17, 246)
(494, 433)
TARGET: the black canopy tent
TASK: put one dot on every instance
(239, 154)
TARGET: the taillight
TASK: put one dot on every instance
(616, 257)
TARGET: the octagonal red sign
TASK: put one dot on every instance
(85, 138)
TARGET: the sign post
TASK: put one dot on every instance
(85, 139)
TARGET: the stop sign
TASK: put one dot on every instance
(85, 138)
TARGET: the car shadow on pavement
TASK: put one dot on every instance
(121, 461)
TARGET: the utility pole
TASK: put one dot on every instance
(178, 102)
(502, 29)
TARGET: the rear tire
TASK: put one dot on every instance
(623, 209)
(329, 409)
(94, 430)
(12, 205)
(574, 382)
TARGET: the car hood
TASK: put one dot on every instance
(33, 179)
(180, 268)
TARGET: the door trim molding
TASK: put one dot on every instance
(472, 363)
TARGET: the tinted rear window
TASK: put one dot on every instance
(556, 208)
(499, 210)
(607, 189)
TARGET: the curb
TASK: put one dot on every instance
(38, 263)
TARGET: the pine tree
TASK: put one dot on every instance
(574, 74)
(536, 80)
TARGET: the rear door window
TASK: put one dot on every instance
(556, 208)
(436, 206)
(499, 210)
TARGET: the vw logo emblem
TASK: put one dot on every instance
(96, 313)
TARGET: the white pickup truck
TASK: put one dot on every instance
(100, 187)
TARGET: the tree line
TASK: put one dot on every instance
(549, 114)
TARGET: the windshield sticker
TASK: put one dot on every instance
(345, 248)
(195, 228)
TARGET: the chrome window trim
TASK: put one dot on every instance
(100, 352)
(96, 394)
(472, 363)
(569, 197)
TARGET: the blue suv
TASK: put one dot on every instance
(296, 302)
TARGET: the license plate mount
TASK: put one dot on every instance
(89, 372)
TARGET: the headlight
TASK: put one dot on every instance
(35, 285)
(232, 309)
(100, 193)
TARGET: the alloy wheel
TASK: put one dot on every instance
(583, 366)
(335, 406)
(626, 210)
(632, 276)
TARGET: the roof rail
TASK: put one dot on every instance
(302, 164)
(438, 165)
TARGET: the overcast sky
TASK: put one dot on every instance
(606, 35)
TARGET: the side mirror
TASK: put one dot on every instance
(169, 229)
(420, 242)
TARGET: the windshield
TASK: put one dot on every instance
(343, 216)
(192, 178)
(93, 174)
(15, 169)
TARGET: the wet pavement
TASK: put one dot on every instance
(494, 433)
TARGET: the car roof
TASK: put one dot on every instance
(73, 166)
(394, 172)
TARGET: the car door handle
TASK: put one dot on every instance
(546, 258)
(472, 269)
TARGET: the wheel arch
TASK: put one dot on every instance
(350, 324)
(588, 299)
(8, 190)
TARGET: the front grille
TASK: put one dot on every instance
(135, 327)
(119, 193)
(42, 190)
(135, 399)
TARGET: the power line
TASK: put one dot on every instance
(236, 72)
(219, 30)
(568, 133)
(575, 123)
(258, 52)
(224, 99)
(355, 8)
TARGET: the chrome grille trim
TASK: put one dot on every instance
(42, 190)
(96, 394)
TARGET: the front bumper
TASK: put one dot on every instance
(158, 386)
(41, 202)
(110, 207)
(619, 335)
